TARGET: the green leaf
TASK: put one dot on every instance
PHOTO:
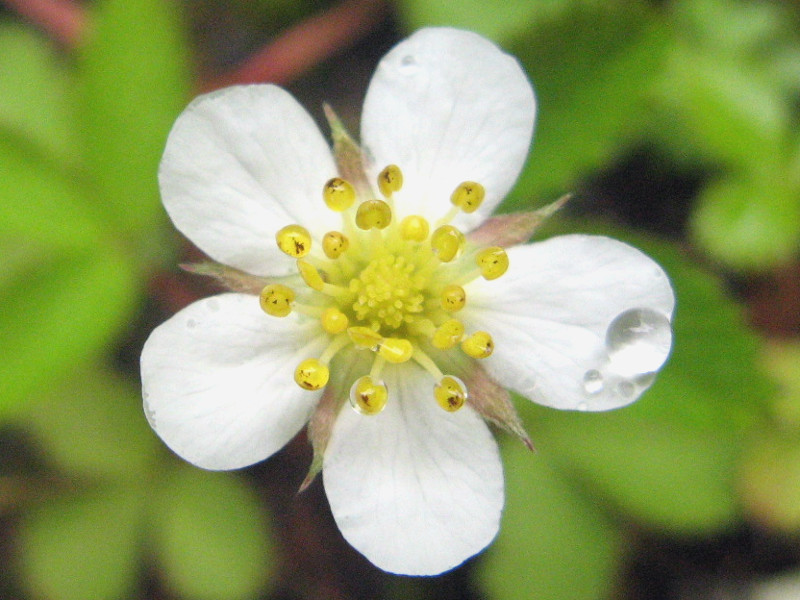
(591, 69)
(57, 308)
(34, 101)
(134, 83)
(212, 537)
(93, 425)
(749, 224)
(83, 547)
(670, 459)
(554, 543)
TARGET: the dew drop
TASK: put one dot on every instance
(593, 382)
(408, 65)
(191, 324)
(626, 389)
(638, 341)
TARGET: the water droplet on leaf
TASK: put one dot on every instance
(638, 341)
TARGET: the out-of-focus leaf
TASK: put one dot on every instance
(670, 459)
(41, 205)
(212, 538)
(591, 69)
(553, 543)
(92, 424)
(749, 224)
(782, 361)
(82, 547)
(55, 310)
(34, 103)
(770, 481)
(133, 77)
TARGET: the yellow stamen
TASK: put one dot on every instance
(479, 345)
(453, 298)
(339, 194)
(395, 350)
(334, 244)
(450, 392)
(310, 275)
(390, 180)
(333, 320)
(311, 374)
(492, 261)
(276, 300)
(368, 396)
(294, 240)
(448, 334)
(447, 243)
(364, 337)
(373, 214)
(468, 196)
(414, 228)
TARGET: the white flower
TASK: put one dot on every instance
(381, 292)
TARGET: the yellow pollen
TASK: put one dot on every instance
(294, 240)
(448, 334)
(468, 196)
(414, 228)
(390, 180)
(395, 350)
(479, 345)
(364, 337)
(276, 300)
(339, 194)
(334, 244)
(334, 321)
(368, 396)
(373, 214)
(453, 298)
(447, 243)
(492, 261)
(450, 392)
(311, 374)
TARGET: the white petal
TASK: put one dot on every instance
(551, 316)
(218, 381)
(448, 106)
(240, 164)
(415, 489)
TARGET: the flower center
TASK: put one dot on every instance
(386, 287)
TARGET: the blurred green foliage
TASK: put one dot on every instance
(710, 85)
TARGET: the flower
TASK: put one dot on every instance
(393, 319)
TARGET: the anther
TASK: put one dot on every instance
(468, 196)
(395, 350)
(368, 396)
(364, 337)
(276, 300)
(450, 393)
(478, 345)
(453, 298)
(333, 320)
(492, 261)
(390, 180)
(339, 194)
(448, 334)
(447, 243)
(373, 214)
(294, 240)
(311, 275)
(311, 374)
(334, 244)
(414, 228)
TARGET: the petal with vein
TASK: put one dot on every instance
(415, 489)
(218, 381)
(239, 164)
(448, 106)
(550, 313)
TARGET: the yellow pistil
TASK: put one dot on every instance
(276, 300)
(339, 194)
(294, 240)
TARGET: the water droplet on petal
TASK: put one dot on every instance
(593, 382)
(408, 65)
(626, 389)
(191, 324)
(638, 341)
